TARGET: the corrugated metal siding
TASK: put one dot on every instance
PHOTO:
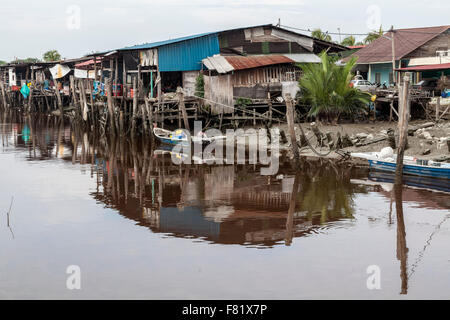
(187, 55)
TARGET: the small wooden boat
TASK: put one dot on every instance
(411, 165)
(180, 137)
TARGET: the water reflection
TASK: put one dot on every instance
(220, 204)
(235, 205)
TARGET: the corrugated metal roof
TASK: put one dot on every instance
(87, 63)
(166, 42)
(303, 57)
(406, 41)
(241, 63)
(187, 55)
(442, 66)
(218, 63)
(225, 64)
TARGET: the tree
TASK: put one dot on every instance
(2, 62)
(374, 35)
(326, 88)
(200, 86)
(27, 60)
(317, 33)
(52, 55)
(348, 41)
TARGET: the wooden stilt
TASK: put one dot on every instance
(135, 106)
(291, 125)
(402, 127)
(182, 107)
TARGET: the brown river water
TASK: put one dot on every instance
(140, 227)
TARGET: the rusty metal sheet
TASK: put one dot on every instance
(249, 62)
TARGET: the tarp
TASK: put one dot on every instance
(58, 71)
(85, 74)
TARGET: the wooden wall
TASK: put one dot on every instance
(441, 42)
(251, 83)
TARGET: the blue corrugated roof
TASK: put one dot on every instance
(166, 42)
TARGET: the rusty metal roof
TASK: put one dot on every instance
(225, 64)
(406, 41)
(249, 62)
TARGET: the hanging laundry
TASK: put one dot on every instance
(25, 91)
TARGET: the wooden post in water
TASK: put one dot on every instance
(110, 105)
(438, 108)
(135, 106)
(2, 87)
(58, 97)
(139, 75)
(290, 217)
(291, 126)
(30, 97)
(182, 107)
(72, 87)
(402, 126)
(269, 103)
(83, 106)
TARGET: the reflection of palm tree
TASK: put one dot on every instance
(329, 195)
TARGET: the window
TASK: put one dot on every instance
(378, 77)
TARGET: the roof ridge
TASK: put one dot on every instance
(416, 28)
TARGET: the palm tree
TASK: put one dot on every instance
(52, 55)
(348, 41)
(374, 35)
(326, 88)
(317, 33)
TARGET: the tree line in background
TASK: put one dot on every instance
(350, 40)
(53, 55)
(49, 56)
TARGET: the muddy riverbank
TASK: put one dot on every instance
(427, 143)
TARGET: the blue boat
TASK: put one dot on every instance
(411, 166)
(435, 170)
(427, 183)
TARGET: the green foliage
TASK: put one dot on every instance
(200, 86)
(348, 41)
(2, 62)
(374, 35)
(326, 88)
(243, 102)
(27, 60)
(317, 33)
(52, 55)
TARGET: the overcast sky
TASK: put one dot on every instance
(75, 28)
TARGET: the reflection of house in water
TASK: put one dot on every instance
(188, 221)
(223, 204)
